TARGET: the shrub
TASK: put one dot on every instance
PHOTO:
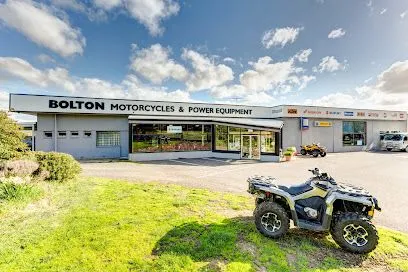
(16, 191)
(11, 138)
(59, 166)
(291, 149)
(287, 153)
(20, 168)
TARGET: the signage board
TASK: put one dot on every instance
(62, 104)
(304, 123)
(323, 124)
(174, 129)
(348, 113)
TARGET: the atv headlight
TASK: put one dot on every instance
(371, 212)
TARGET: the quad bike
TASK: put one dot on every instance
(319, 204)
(313, 149)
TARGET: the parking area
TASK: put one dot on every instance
(384, 174)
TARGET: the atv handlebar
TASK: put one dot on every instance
(322, 176)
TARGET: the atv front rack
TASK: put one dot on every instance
(255, 183)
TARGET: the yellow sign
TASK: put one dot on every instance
(323, 124)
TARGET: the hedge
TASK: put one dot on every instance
(54, 166)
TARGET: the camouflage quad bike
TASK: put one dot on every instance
(313, 149)
(319, 204)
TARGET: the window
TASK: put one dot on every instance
(234, 139)
(87, 134)
(170, 137)
(74, 134)
(221, 137)
(107, 138)
(268, 142)
(62, 134)
(47, 134)
(354, 133)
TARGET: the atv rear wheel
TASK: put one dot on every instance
(315, 153)
(303, 152)
(271, 219)
(323, 154)
(355, 233)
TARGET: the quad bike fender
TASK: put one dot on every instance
(367, 201)
(264, 190)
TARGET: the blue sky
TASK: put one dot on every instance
(331, 53)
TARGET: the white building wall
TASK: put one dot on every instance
(82, 147)
(332, 137)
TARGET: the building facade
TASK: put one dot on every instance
(90, 128)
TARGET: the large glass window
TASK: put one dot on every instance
(234, 139)
(230, 139)
(107, 138)
(268, 142)
(221, 137)
(354, 133)
(171, 137)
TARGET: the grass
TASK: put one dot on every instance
(110, 225)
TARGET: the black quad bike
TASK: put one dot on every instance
(319, 204)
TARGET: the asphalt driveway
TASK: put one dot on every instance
(385, 175)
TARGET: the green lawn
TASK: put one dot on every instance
(110, 225)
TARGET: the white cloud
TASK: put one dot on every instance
(154, 64)
(39, 24)
(59, 80)
(207, 73)
(267, 75)
(402, 15)
(280, 36)
(44, 58)
(150, 13)
(303, 56)
(19, 68)
(232, 91)
(384, 10)
(333, 100)
(93, 13)
(69, 4)
(4, 100)
(390, 88)
(107, 4)
(394, 79)
(336, 33)
(329, 64)
(230, 60)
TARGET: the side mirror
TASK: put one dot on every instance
(405, 138)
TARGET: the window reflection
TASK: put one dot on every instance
(171, 137)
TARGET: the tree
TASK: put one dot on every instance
(11, 138)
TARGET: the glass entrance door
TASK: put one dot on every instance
(250, 147)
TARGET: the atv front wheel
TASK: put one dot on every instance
(303, 152)
(323, 153)
(271, 219)
(355, 233)
(315, 153)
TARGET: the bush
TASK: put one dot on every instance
(11, 138)
(15, 191)
(287, 153)
(20, 168)
(56, 166)
(291, 149)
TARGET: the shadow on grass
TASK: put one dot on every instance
(236, 240)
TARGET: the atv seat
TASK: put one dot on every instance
(297, 189)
